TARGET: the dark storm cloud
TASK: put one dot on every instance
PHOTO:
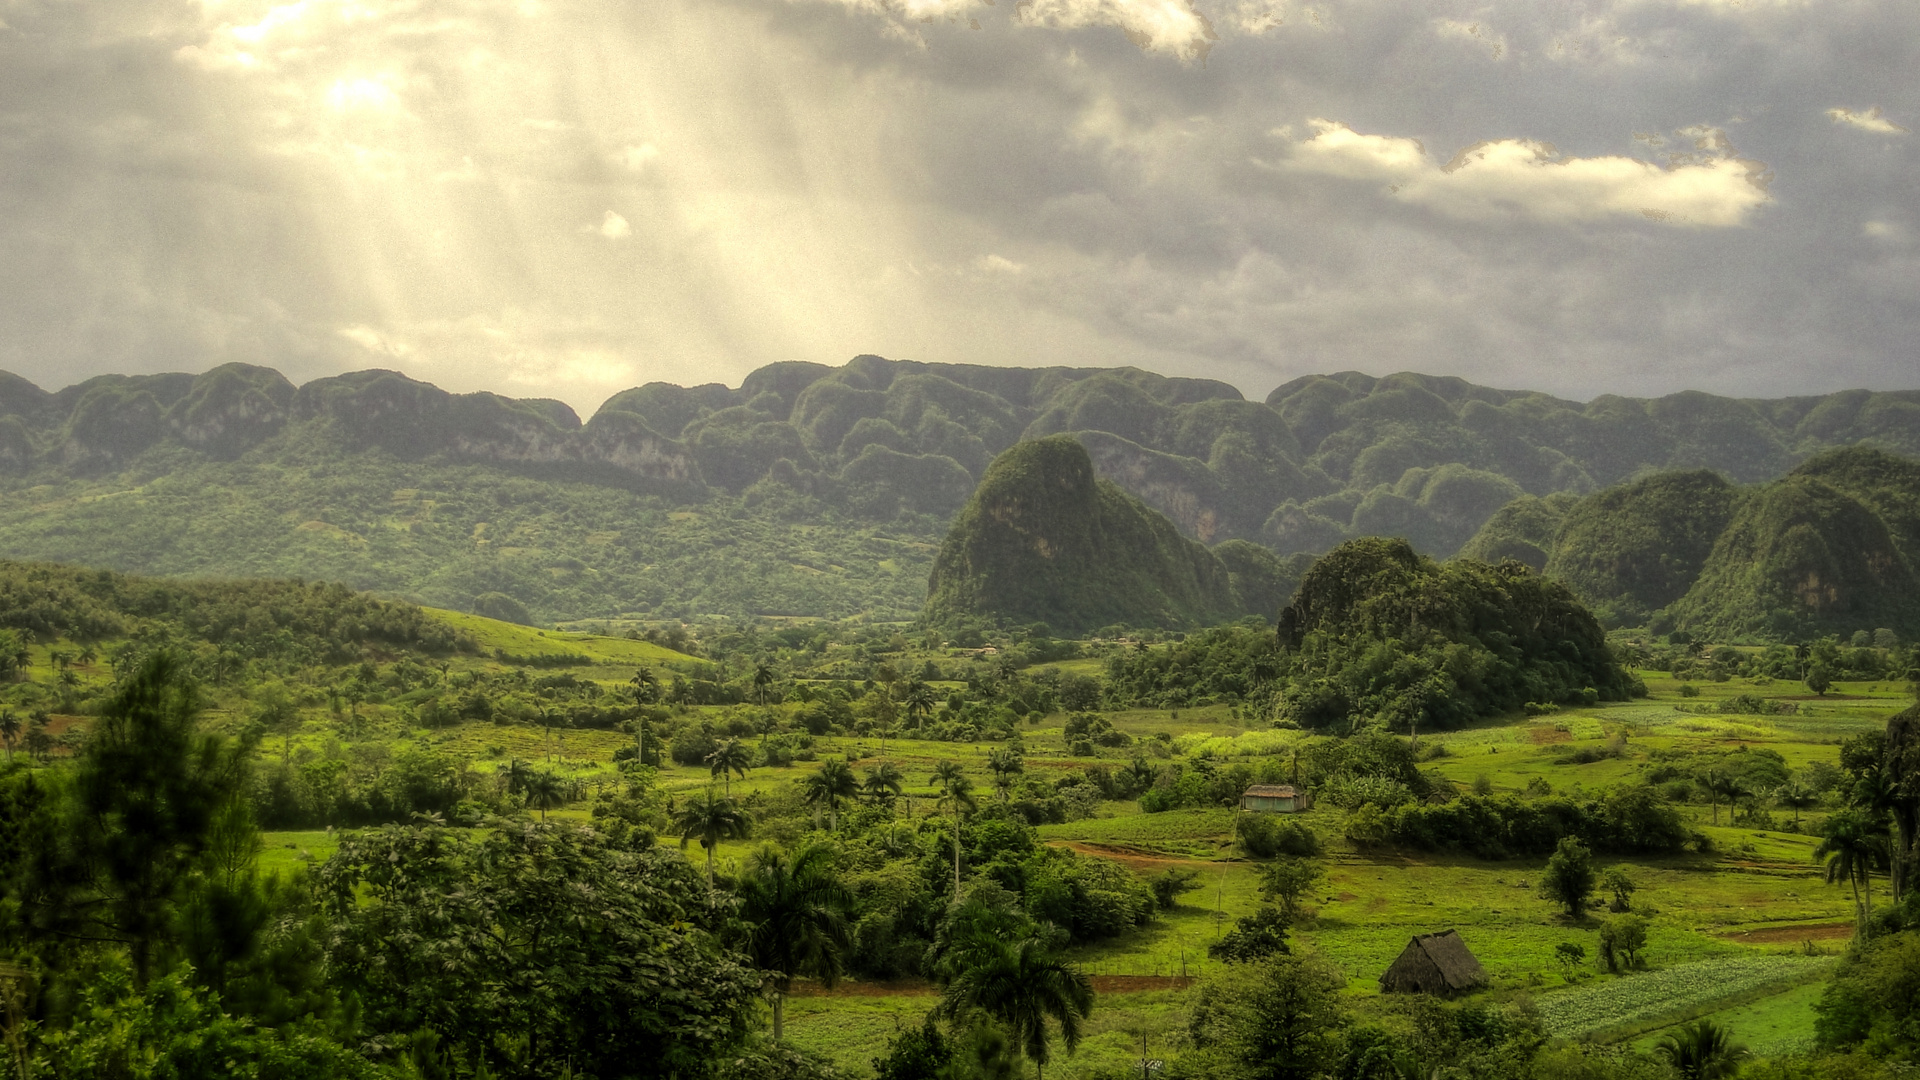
(570, 198)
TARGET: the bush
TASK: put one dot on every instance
(691, 745)
(1264, 836)
(1169, 884)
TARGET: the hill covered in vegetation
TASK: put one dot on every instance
(807, 490)
(1045, 540)
(1828, 549)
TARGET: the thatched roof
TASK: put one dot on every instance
(1271, 791)
(1441, 958)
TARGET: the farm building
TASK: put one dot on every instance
(1434, 964)
(1274, 799)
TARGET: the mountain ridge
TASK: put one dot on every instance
(880, 453)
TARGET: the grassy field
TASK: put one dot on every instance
(1741, 934)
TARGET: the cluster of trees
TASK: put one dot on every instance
(143, 937)
(1378, 634)
(1865, 655)
(290, 622)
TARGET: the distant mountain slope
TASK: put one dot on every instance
(814, 489)
(1828, 549)
(1800, 558)
(1638, 547)
(1045, 540)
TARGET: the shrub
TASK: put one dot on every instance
(1263, 836)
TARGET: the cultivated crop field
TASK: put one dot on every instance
(1638, 998)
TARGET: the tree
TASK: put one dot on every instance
(1005, 763)
(1023, 984)
(1617, 881)
(1287, 881)
(1569, 878)
(1851, 846)
(1277, 1019)
(1570, 954)
(531, 949)
(728, 758)
(148, 790)
(883, 783)
(544, 792)
(1721, 786)
(919, 700)
(711, 820)
(795, 912)
(1796, 795)
(1623, 937)
(831, 786)
(956, 793)
(9, 730)
(762, 680)
(1253, 937)
(1819, 677)
(1701, 1050)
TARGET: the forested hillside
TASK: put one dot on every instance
(1828, 549)
(807, 490)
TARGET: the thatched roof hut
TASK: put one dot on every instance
(1274, 799)
(1434, 964)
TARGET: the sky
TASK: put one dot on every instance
(565, 199)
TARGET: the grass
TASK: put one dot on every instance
(1721, 924)
(1628, 1004)
(1769, 1026)
(491, 634)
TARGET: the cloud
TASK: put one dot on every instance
(1507, 178)
(614, 227)
(1478, 34)
(1169, 26)
(1870, 120)
(638, 158)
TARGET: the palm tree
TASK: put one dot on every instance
(517, 775)
(729, 757)
(955, 791)
(88, 656)
(883, 783)
(1796, 796)
(646, 687)
(1702, 1050)
(710, 821)
(1006, 763)
(1140, 775)
(544, 792)
(919, 701)
(9, 730)
(831, 786)
(1851, 847)
(762, 679)
(1022, 984)
(795, 909)
(1721, 787)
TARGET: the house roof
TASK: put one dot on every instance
(1450, 954)
(1271, 791)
